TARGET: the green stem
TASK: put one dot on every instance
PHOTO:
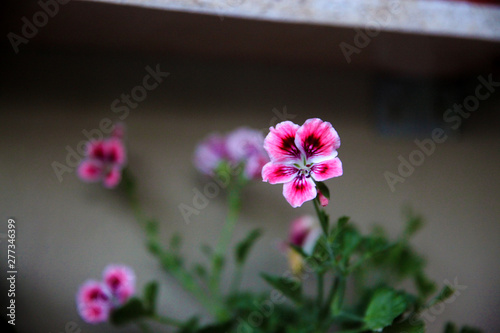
(182, 276)
(323, 219)
(234, 203)
(338, 297)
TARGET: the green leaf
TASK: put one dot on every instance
(425, 286)
(413, 225)
(291, 288)
(200, 270)
(324, 189)
(342, 222)
(131, 311)
(150, 296)
(407, 327)
(299, 250)
(243, 248)
(385, 305)
(443, 295)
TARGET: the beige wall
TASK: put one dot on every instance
(68, 231)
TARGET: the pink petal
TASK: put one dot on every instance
(299, 229)
(327, 169)
(280, 143)
(113, 177)
(244, 142)
(96, 150)
(278, 173)
(118, 277)
(318, 140)
(210, 153)
(92, 291)
(114, 151)
(254, 165)
(311, 239)
(90, 170)
(124, 293)
(299, 190)
(94, 312)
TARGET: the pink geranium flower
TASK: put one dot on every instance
(120, 280)
(104, 160)
(96, 300)
(301, 155)
(243, 146)
(210, 153)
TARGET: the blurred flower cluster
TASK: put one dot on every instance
(96, 299)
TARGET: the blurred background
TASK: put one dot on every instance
(426, 65)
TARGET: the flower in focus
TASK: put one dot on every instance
(301, 155)
(304, 233)
(243, 146)
(120, 280)
(95, 299)
(104, 160)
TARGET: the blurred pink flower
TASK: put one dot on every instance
(210, 153)
(301, 155)
(120, 280)
(245, 145)
(104, 160)
(304, 233)
(96, 300)
(95, 312)
(241, 146)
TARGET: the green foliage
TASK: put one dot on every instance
(290, 287)
(137, 309)
(243, 247)
(385, 305)
(133, 310)
(378, 265)
(150, 296)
